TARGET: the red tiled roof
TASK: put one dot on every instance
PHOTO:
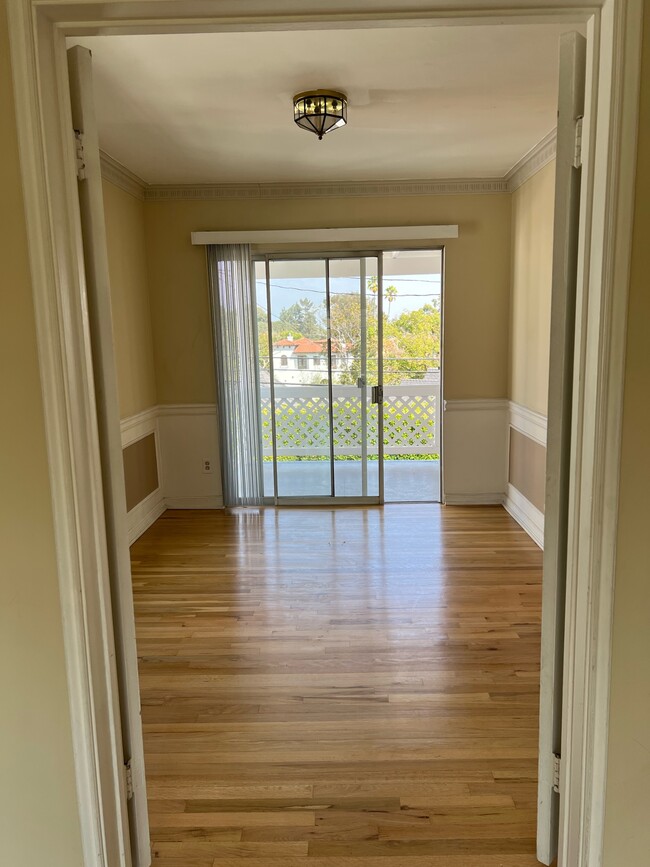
(304, 345)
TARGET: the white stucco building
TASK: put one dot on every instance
(304, 361)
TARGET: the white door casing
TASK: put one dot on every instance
(37, 30)
(93, 230)
(571, 107)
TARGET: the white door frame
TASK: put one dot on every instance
(37, 31)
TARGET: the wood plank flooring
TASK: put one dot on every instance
(340, 688)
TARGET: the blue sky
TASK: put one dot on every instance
(412, 291)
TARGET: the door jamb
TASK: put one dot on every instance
(37, 30)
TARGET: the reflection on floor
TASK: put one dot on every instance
(404, 480)
(340, 688)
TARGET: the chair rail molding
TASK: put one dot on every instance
(139, 425)
(528, 422)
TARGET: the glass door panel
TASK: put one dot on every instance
(319, 322)
(354, 324)
(301, 378)
(412, 294)
(264, 359)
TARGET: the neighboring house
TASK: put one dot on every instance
(431, 377)
(304, 361)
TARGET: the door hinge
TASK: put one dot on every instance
(377, 394)
(128, 779)
(557, 761)
(80, 155)
(577, 148)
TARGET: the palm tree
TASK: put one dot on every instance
(390, 292)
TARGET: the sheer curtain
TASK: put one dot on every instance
(234, 326)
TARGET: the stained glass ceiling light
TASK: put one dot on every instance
(320, 111)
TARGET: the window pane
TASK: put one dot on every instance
(353, 318)
(302, 410)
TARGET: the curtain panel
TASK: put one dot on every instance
(234, 326)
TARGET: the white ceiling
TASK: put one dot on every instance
(424, 103)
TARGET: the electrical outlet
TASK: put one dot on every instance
(207, 465)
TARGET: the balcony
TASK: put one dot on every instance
(302, 426)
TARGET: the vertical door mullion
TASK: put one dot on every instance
(330, 390)
(380, 371)
(269, 322)
(363, 373)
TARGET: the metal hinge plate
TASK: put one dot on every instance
(577, 149)
(128, 779)
(557, 762)
(80, 156)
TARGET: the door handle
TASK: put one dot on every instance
(377, 394)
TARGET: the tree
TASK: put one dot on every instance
(262, 339)
(412, 343)
(301, 318)
(390, 292)
(411, 340)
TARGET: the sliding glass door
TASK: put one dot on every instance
(320, 339)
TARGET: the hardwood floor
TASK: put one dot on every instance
(340, 688)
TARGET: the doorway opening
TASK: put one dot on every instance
(350, 376)
(60, 210)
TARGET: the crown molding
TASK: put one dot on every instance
(528, 165)
(532, 162)
(121, 177)
(335, 189)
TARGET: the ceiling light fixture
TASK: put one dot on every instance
(320, 111)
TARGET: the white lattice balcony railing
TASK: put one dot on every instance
(411, 420)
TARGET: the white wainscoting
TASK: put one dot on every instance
(142, 516)
(188, 437)
(185, 436)
(476, 434)
(533, 425)
(475, 449)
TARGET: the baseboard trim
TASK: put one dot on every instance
(211, 502)
(142, 516)
(480, 499)
(525, 514)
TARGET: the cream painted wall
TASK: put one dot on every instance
(476, 297)
(627, 825)
(39, 821)
(530, 302)
(134, 358)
